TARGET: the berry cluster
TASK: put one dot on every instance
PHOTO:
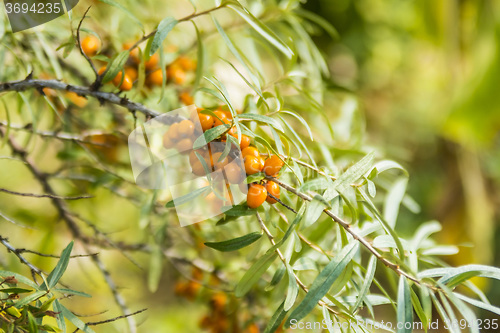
(124, 80)
(181, 135)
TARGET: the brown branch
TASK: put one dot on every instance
(357, 237)
(51, 196)
(280, 255)
(80, 45)
(184, 19)
(34, 270)
(112, 98)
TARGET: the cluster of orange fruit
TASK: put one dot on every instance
(176, 71)
(181, 135)
(217, 320)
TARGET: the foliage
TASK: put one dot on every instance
(329, 249)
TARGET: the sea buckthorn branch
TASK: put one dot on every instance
(51, 196)
(54, 134)
(95, 323)
(34, 270)
(282, 258)
(79, 44)
(184, 19)
(357, 237)
(70, 221)
(302, 237)
(113, 98)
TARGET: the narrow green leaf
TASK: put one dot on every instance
(405, 309)
(393, 200)
(323, 282)
(155, 268)
(75, 320)
(240, 210)
(210, 135)
(32, 326)
(61, 323)
(263, 30)
(370, 273)
(419, 310)
(479, 304)
(313, 211)
(200, 63)
(15, 290)
(115, 66)
(186, 198)
(165, 26)
(276, 319)
(72, 292)
(234, 50)
(235, 243)
(352, 174)
(60, 268)
(263, 119)
(254, 273)
(30, 298)
(292, 290)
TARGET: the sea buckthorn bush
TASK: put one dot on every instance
(316, 238)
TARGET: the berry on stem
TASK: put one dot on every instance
(273, 165)
(90, 45)
(274, 189)
(256, 195)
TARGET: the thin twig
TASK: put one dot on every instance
(112, 98)
(357, 237)
(184, 19)
(52, 196)
(10, 248)
(53, 255)
(80, 45)
(280, 255)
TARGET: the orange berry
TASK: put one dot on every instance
(152, 62)
(173, 131)
(90, 45)
(184, 145)
(131, 72)
(167, 142)
(197, 169)
(251, 151)
(253, 164)
(180, 288)
(206, 121)
(192, 289)
(223, 118)
(219, 164)
(155, 78)
(256, 195)
(134, 54)
(218, 301)
(252, 329)
(186, 128)
(76, 99)
(186, 98)
(233, 173)
(101, 70)
(274, 189)
(205, 322)
(124, 85)
(273, 165)
(245, 141)
(176, 73)
(228, 114)
(186, 63)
